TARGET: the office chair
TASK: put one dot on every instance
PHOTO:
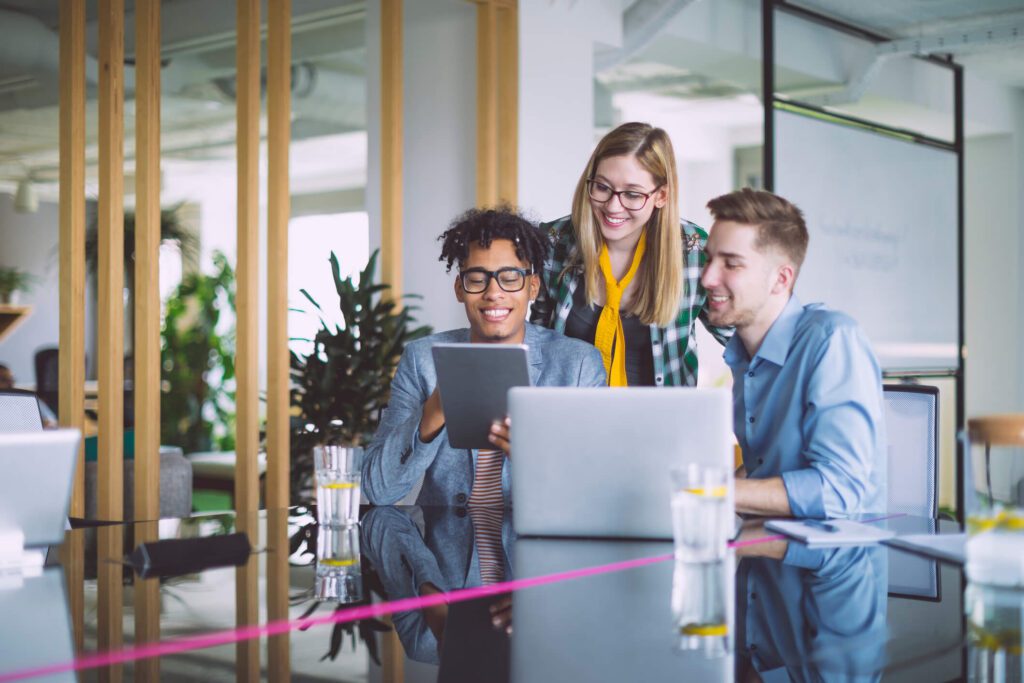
(47, 366)
(912, 425)
(19, 412)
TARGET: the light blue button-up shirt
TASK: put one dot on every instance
(808, 407)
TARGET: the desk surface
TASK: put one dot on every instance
(578, 609)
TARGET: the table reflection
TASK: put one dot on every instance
(427, 550)
(812, 614)
(36, 626)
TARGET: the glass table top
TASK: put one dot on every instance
(451, 594)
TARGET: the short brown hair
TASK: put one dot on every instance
(779, 223)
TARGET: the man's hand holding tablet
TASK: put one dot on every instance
(473, 382)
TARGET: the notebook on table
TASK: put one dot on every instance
(596, 461)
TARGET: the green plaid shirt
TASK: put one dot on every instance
(673, 348)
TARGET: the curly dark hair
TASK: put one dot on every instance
(483, 226)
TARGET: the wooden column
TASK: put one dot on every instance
(247, 601)
(486, 103)
(147, 260)
(110, 351)
(248, 144)
(279, 53)
(72, 278)
(147, 317)
(508, 102)
(246, 397)
(391, 142)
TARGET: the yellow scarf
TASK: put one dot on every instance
(610, 334)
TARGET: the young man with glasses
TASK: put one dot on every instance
(498, 254)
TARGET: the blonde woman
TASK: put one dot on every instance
(623, 271)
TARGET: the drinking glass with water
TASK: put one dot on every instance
(702, 518)
(337, 484)
(339, 577)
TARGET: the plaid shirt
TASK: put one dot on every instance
(673, 348)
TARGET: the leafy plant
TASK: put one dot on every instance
(198, 362)
(172, 229)
(339, 389)
(13, 280)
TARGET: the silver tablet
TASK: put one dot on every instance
(474, 380)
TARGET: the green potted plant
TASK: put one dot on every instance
(197, 359)
(340, 387)
(13, 281)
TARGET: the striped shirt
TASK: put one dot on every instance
(486, 510)
(673, 348)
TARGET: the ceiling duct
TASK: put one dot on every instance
(28, 45)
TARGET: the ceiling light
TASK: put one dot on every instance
(25, 199)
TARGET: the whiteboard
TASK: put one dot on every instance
(882, 216)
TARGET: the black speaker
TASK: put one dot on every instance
(177, 556)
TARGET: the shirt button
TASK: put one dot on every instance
(760, 461)
(753, 596)
(659, 379)
(753, 648)
(460, 498)
(750, 374)
(750, 419)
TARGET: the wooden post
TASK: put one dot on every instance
(72, 278)
(391, 144)
(147, 317)
(279, 51)
(486, 103)
(110, 351)
(247, 352)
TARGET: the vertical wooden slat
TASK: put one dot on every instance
(508, 102)
(246, 397)
(110, 352)
(110, 600)
(248, 141)
(391, 141)
(147, 260)
(147, 318)
(279, 46)
(392, 658)
(247, 601)
(486, 103)
(278, 646)
(279, 52)
(72, 279)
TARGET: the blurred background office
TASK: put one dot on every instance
(578, 68)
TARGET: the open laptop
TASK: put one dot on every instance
(596, 461)
(35, 489)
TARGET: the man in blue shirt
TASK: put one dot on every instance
(807, 392)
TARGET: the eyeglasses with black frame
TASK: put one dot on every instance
(631, 200)
(477, 280)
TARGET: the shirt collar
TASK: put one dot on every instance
(775, 346)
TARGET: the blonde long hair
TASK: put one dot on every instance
(660, 285)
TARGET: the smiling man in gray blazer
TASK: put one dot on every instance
(498, 254)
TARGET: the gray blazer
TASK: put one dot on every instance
(396, 458)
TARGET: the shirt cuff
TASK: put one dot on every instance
(799, 555)
(804, 490)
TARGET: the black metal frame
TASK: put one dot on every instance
(768, 99)
(907, 388)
